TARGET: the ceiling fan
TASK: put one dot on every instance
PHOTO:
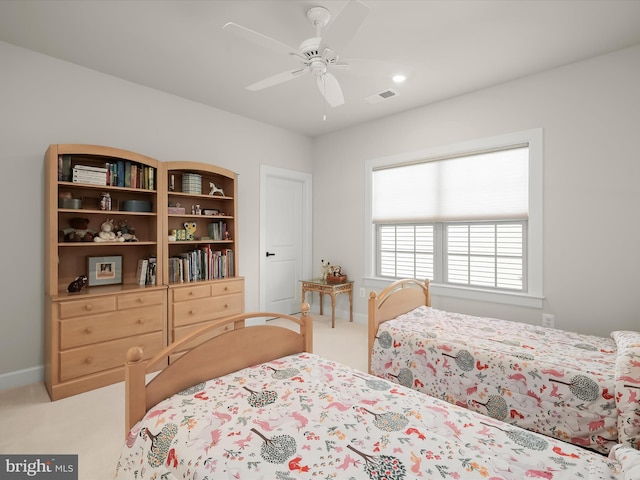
(316, 55)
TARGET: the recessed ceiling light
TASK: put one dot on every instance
(399, 78)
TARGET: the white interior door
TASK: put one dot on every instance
(285, 221)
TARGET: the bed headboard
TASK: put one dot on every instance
(400, 297)
(237, 348)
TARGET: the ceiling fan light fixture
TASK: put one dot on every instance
(316, 55)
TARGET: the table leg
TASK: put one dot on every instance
(321, 298)
(333, 310)
(351, 305)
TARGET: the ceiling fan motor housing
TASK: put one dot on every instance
(319, 16)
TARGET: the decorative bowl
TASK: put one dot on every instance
(336, 279)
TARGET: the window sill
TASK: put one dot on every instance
(468, 293)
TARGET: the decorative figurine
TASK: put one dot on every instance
(107, 233)
(215, 189)
(325, 269)
(78, 284)
(190, 227)
(79, 231)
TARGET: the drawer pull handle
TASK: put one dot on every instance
(191, 294)
(88, 330)
(226, 305)
(192, 312)
(88, 306)
(140, 300)
(88, 361)
(226, 289)
(141, 321)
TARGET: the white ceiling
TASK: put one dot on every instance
(446, 47)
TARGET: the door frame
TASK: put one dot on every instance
(306, 227)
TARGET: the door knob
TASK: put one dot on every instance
(270, 254)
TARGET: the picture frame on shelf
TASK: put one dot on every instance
(104, 270)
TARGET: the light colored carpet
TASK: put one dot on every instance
(91, 425)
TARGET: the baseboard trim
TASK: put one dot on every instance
(21, 377)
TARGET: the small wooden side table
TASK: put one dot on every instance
(332, 289)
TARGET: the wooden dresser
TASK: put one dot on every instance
(193, 306)
(92, 335)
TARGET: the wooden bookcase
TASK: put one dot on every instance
(88, 333)
(200, 268)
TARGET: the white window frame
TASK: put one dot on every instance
(534, 242)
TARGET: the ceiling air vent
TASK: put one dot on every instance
(378, 97)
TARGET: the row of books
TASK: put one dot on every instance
(201, 264)
(217, 230)
(119, 173)
(147, 269)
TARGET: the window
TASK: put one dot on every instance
(466, 217)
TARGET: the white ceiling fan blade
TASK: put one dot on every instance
(366, 67)
(279, 78)
(341, 66)
(258, 38)
(342, 29)
(330, 89)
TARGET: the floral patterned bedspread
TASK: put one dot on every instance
(304, 417)
(554, 382)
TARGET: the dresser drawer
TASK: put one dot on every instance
(226, 288)
(96, 358)
(190, 293)
(87, 306)
(132, 300)
(201, 310)
(79, 331)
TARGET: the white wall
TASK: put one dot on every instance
(45, 101)
(590, 114)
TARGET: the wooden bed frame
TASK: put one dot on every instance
(400, 297)
(237, 348)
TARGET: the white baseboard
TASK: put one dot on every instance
(21, 377)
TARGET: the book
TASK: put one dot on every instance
(143, 265)
(113, 174)
(120, 173)
(89, 174)
(151, 271)
(90, 168)
(127, 173)
(66, 168)
(134, 175)
(100, 179)
(80, 176)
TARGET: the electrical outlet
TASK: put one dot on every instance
(548, 320)
(362, 292)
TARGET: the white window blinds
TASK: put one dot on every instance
(484, 186)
